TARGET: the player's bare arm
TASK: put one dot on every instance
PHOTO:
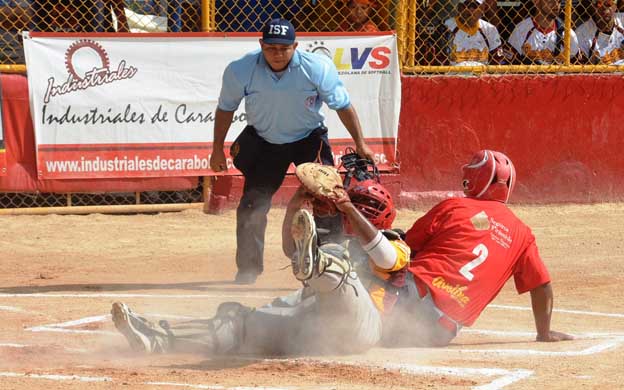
(542, 304)
(348, 117)
(223, 121)
(362, 228)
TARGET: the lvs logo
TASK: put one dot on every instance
(357, 58)
(354, 58)
(88, 66)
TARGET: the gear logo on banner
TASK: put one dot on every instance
(85, 51)
(88, 66)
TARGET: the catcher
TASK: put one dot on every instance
(347, 289)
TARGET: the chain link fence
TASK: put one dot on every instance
(11, 200)
(463, 37)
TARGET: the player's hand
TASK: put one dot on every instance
(299, 198)
(554, 336)
(217, 160)
(343, 207)
(364, 151)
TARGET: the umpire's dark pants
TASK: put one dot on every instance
(264, 166)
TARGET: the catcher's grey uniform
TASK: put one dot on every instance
(318, 318)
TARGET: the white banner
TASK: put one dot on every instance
(127, 105)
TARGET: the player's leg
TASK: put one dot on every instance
(141, 334)
(350, 322)
(219, 335)
(264, 166)
(416, 321)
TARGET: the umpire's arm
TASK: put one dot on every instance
(351, 122)
(232, 93)
(542, 304)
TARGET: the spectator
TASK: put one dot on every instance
(359, 16)
(538, 39)
(14, 17)
(602, 36)
(470, 40)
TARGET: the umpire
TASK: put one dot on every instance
(284, 89)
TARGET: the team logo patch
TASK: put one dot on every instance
(480, 221)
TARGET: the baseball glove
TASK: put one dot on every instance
(323, 182)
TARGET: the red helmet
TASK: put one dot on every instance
(489, 175)
(374, 202)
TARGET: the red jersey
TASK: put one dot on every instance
(466, 249)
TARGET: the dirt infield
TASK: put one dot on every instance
(60, 275)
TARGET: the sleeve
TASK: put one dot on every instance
(232, 91)
(530, 271)
(514, 40)
(402, 258)
(331, 89)
(424, 227)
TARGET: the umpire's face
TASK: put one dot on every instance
(276, 55)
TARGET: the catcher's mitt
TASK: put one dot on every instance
(323, 182)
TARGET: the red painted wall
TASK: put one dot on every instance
(564, 133)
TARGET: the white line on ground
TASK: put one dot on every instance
(255, 296)
(216, 387)
(12, 309)
(56, 377)
(581, 312)
(155, 296)
(80, 321)
(12, 345)
(506, 376)
(63, 326)
(506, 333)
(601, 347)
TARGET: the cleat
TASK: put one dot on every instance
(303, 231)
(142, 335)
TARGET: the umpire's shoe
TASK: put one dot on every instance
(142, 335)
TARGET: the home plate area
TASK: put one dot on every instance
(86, 350)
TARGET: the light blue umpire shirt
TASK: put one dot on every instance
(285, 109)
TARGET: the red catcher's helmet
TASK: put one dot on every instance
(489, 175)
(374, 202)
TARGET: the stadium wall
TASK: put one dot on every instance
(563, 132)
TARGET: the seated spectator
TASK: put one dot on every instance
(14, 17)
(539, 39)
(602, 36)
(470, 40)
(359, 14)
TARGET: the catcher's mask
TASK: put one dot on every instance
(490, 175)
(374, 202)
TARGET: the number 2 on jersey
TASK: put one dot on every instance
(481, 251)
